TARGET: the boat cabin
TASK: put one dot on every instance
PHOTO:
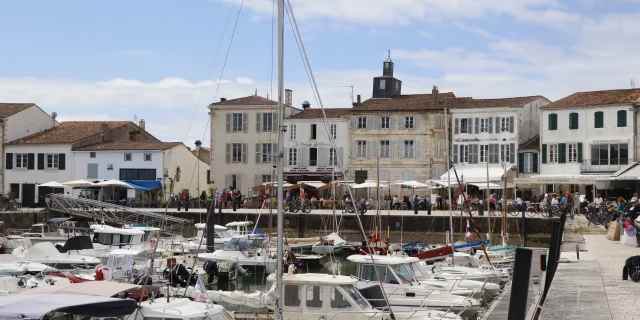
(149, 232)
(110, 236)
(219, 232)
(390, 269)
(180, 309)
(122, 262)
(247, 244)
(238, 228)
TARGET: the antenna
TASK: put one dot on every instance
(633, 84)
(351, 95)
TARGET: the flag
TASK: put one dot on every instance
(469, 234)
(201, 287)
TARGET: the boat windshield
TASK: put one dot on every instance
(357, 297)
(39, 229)
(403, 273)
(417, 270)
(466, 261)
(241, 243)
(221, 234)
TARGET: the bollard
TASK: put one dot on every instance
(520, 284)
(481, 210)
(429, 209)
(415, 207)
(524, 233)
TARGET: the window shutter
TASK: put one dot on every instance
(521, 162)
(239, 182)
(61, 161)
(511, 124)
(30, 161)
(391, 122)
(400, 147)
(354, 123)
(455, 153)
(392, 153)
(416, 149)
(416, 122)
(477, 121)
(300, 162)
(245, 119)
(286, 157)
(512, 153)
(228, 180)
(369, 122)
(244, 153)
(354, 149)
(323, 157)
(469, 125)
(490, 125)
(473, 153)
(374, 146)
(622, 118)
(553, 121)
(579, 152)
(544, 153)
(228, 122)
(378, 122)
(598, 119)
(498, 125)
(40, 161)
(9, 161)
(570, 120)
(340, 156)
(228, 156)
(534, 155)
(368, 149)
(562, 152)
(274, 122)
(258, 122)
(456, 126)
(258, 153)
(258, 180)
(401, 122)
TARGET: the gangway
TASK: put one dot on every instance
(98, 211)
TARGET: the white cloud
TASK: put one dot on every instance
(244, 80)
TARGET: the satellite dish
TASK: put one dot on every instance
(54, 114)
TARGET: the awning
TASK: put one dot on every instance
(144, 184)
(313, 184)
(492, 185)
(474, 174)
(562, 179)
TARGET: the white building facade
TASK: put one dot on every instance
(308, 152)
(244, 141)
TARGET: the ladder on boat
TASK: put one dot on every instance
(98, 210)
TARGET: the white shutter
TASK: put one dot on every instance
(245, 120)
(244, 153)
(258, 122)
(341, 156)
(401, 122)
(258, 180)
(416, 150)
(391, 121)
(368, 144)
(258, 153)
(274, 122)
(416, 122)
(323, 157)
(301, 160)
(400, 146)
(354, 122)
(286, 157)
(228, 122)
(354, 149)
(239, 182)
(374, 146)
(228, 155)
(370, 122)
(392, 150)
(227, 180)
(456, 126)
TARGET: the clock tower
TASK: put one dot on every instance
(386, 86)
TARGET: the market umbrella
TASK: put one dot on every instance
(113, 183)
(78, 183)
(52, 184)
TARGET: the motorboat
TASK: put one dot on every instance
(221, 235)
(136, 292)
(239, 228)
(403, 290)
(54, 231)
(18, 284)
(248, 250)
(10, 267)
(46, 253)
(180, 309)
(330, 244)
(43, 306)
(467, 266)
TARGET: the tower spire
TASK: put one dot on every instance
(389, 53)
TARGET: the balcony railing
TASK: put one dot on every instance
(603, 165)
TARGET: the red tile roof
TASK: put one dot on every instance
(593, 98)
(316, 113)
(531, 144)
(8, 109)
(129, 145)
(249, 100)
(505, 102)
(69, 132)
(424, 102)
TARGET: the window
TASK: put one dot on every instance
(236, 152)
(292, 133)
(439, 150)
(53, 161)
(494, 153)
(138, 174)
(439, 170)
(314, 296)
(439, 122)
(484, 151)
(267, 121)
(572, 155)
(409, 122)
(464, 125)
(293, 157)
(92, 154)
(235, 181)
(385, 149)
(333, 157)
(610, 154)
(147, 157)
(385, 122)
(504, 153)
(291, 295)
(528, 162)
(553, 153)
(362, 149)
(464, 153)
(266, 152)
(21, 161)
(314, 131)
(127, 157)
(598, 119)
(362, 122)
(397, 85)
(383, 83)
(484, 124)
(505, 124)
(368, 272)
(237, 122)
(622, 118)
(92, 171)
(266, 178)
(573, 120)
(408, 149)
(313, 157)
(333, 130)
(553, 121)
(338, 300)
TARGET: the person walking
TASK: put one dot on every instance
(236, 199)
(187, 198)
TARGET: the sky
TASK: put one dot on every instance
(166, 60)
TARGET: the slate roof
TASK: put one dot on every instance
(129, 145)
(249, 100)
(9, 109)
(316, 113)
(531, 144)
(69, 132)
(593, 98)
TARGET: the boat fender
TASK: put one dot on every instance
(100, 273)
(22, 283)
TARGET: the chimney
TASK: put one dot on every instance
(434, 94)
(223, 99)
(141, 124)
(358, 99)
(198, 145)
(288, 96)
(104, 127)
(306, 105)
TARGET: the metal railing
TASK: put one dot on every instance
(108, 212)
(604, 165)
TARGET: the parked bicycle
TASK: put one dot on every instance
(10, 205)
(296, 205)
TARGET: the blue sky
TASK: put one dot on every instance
(91, 60)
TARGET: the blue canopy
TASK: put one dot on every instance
(144, 184)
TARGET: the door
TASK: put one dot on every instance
(28, 195)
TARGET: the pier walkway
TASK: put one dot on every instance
(592, 287)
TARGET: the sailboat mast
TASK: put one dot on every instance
(449, 195)
(280, 165)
